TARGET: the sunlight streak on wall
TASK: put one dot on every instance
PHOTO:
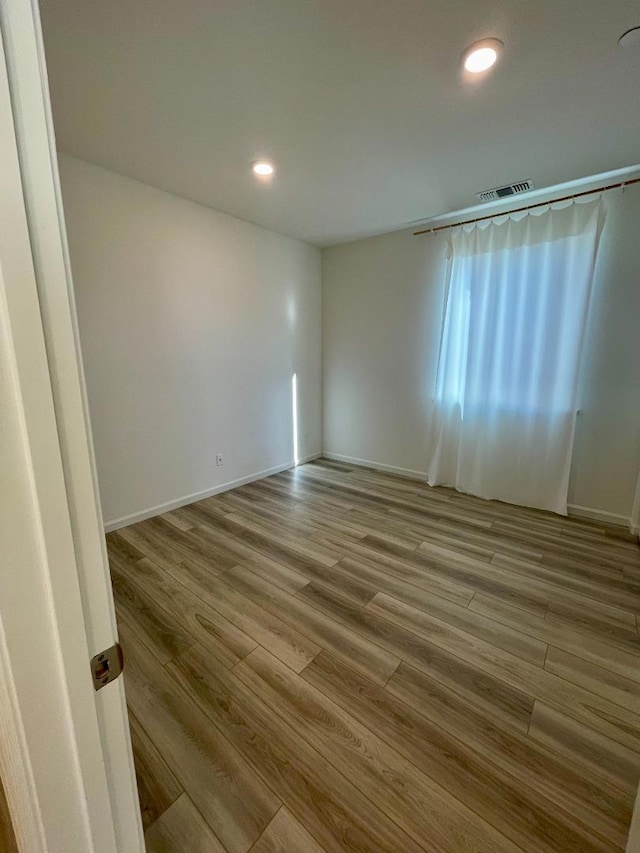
(294, 415)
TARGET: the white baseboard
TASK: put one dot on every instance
(599, 515)
(126, 520)
(378, 466)
(574, 509)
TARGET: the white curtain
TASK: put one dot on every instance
(506, 391)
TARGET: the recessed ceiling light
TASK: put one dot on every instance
(263, 168)
(481, 55)
(630, 38)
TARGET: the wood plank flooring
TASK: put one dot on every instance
(337, 659)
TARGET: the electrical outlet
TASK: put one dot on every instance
(219, 460)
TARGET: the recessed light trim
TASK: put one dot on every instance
(262, 168)
(481, 55)
(630, 38)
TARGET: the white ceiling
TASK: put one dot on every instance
(360, 103)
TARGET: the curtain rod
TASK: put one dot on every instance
(528, 207)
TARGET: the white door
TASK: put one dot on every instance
(65, 752)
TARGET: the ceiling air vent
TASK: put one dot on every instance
(504, 192)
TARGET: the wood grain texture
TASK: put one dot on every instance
(192, 614)
(601, 807)
(622, 661)
(182, 828)
(326, 632)
(499, 793)
(236, 804)
(339, 659)
(156, 628)
(285, 834)
(600, 755)
(158, 787)
(293, 647)
(411, 798)
(328, 804)
(594, 710)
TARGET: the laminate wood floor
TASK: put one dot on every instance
(336, 659)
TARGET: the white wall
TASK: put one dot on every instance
(192, 324)
(382, 311)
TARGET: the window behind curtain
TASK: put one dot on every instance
(505, 397)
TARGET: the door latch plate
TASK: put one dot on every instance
(106, 666)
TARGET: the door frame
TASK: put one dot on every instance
(65, 751)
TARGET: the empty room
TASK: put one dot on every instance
(321, 372)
